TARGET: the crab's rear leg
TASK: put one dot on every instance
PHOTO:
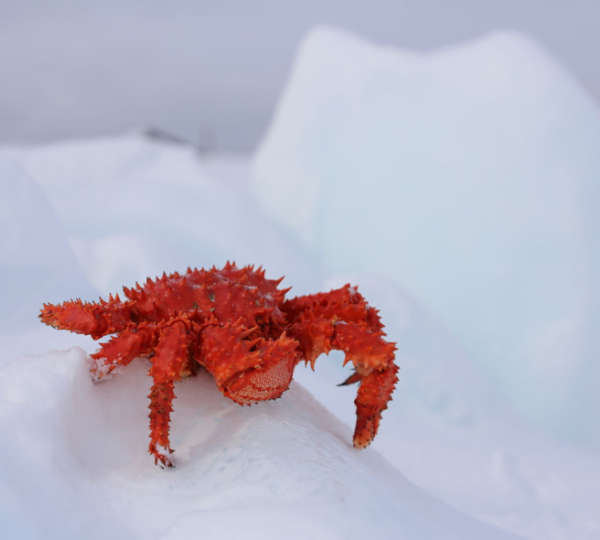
(170, 360)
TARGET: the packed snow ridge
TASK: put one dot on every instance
(277, 468)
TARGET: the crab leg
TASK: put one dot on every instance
(342, 320)
(345, 304)
(94, 319)
(170, 360)
(373, 359)
(122, 349)
(374, 393)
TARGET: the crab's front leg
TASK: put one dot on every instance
(373, 358)
(373, 396)
(170, 360)
(343, 320)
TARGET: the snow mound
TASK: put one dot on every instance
(146, 207)
(451, 433)
(468, 175)
(283, 468)
(33, 248)
(36, 263)
(446, 429)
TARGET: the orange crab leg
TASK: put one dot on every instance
(161, 399)
(122, 349)
(94, 319)
(345, 304)
(342, 320)
(170, 360)
(373, 358)
(374, 394)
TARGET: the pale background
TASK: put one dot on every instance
(211, 71)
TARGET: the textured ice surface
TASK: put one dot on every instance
(469, 175)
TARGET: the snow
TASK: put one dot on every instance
(452, 459)
(36, 264)
(241, 471)
(487, 155)
(147, 229)
(32, 246)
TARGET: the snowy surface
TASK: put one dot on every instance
(250, 472)
(488, 157)
(452, 459)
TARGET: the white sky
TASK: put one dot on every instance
(210, 71)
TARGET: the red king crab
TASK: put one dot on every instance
(237, 325)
